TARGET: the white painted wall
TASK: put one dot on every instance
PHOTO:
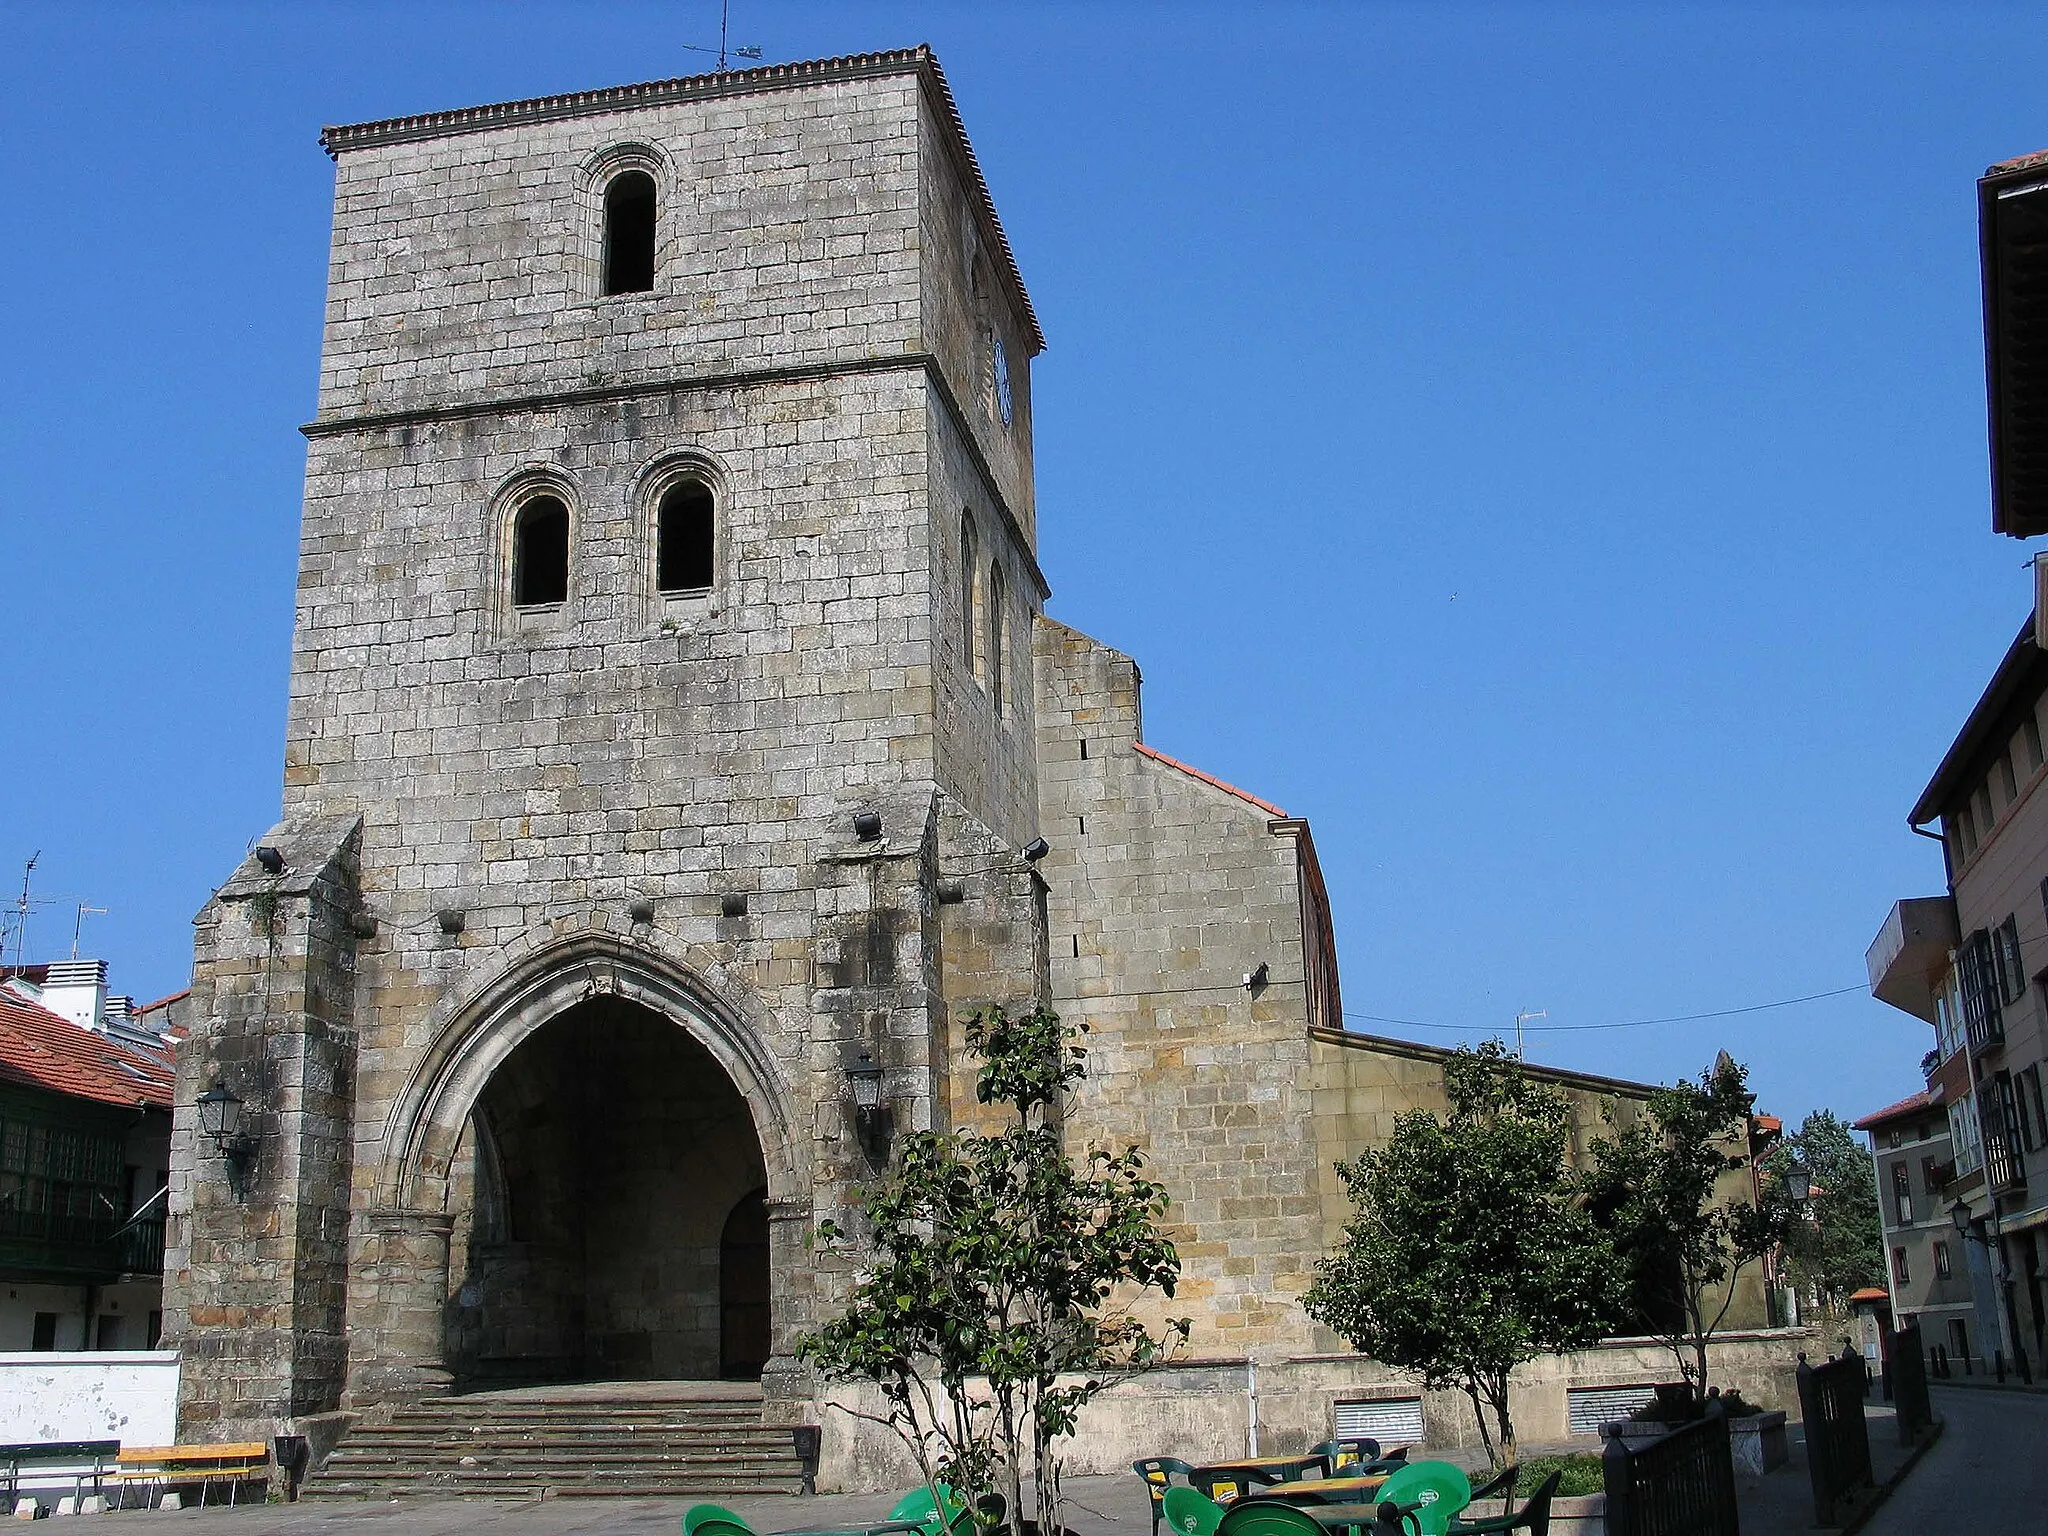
(125, 1395)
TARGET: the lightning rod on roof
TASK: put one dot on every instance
(744, 51)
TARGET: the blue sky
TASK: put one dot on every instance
(1543, 445)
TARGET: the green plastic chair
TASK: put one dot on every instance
(1339, 1454)
(1428, 1494)
(1159, 1473)
(1533, 1516)
(917, 1506)
(1190, 1513)
(1266, 1517)
(712, 1520)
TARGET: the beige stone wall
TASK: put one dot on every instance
(1164, 892)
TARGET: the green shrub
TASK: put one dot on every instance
(1581, 1475)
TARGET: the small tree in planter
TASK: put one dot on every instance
(1658, 1181)
(985, 1314)
(1471, 1250)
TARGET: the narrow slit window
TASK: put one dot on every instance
(970, 598)
(629, 233)
(540, 554)
(685, 539)
(995, 637)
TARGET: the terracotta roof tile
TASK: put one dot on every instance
(1917, 1102)
(1209, 778)
(40, 1049)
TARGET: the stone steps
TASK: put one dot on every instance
(573, 1446)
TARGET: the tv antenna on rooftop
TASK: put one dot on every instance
(78, 924)
(744, 51)
(1524, 1015)
(21, 911)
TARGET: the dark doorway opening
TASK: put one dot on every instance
(610, 1220)
(743, 1290)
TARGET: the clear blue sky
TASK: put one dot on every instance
(1542, 445)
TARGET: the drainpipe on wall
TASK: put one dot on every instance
(1251, 1403)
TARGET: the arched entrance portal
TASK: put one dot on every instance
(597, 1195)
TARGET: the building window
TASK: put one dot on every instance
(629, 233)
(2030, 738)
(1929, 1179)
(1941, 1261)
(995, 637)
(970, 597)
(1902, 1192)
(1963, 1135)
(1964, 835)
(1899, 1273)
(2030, 1088)
(540, 554)
(1980, 807)
(685, 539)
(2012, 969)
(2008, 786)
(45, 1336)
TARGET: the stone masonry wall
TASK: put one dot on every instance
(1165, 890)
(254, 1289)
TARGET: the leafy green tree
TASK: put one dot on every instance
(1470, 1250)
(1658, 1184)
(1834, 1245)
(1000, 1275)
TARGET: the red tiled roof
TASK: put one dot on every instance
(1209, 778)
(1918, 1103)
(174, 997)
(2023, 162)
(1870, 1293)
(40, 1049)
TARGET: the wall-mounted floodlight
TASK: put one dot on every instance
(1035, 850)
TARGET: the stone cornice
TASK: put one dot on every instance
(546, 400)
(919, 61)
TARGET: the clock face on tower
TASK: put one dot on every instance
(1002, 373)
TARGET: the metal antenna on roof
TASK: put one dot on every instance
(1519, 1018)
(78, 923)
(744, 51)
(21, 908)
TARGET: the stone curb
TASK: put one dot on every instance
(1890, 1485)
(1969, 1385)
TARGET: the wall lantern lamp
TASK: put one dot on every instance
(1959, 1213)
(220, 1121)
(1799, 1182)
(873, 1121)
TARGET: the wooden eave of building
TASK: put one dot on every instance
(2021, 678)
(2012, 222)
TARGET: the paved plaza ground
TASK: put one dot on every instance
(1989, 1472)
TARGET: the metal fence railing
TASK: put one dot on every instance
(1680, 1484)
(1907, 1373)
(1837, 1439)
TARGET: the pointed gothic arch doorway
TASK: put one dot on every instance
(609, 1208)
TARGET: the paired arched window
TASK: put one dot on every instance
(629, 208)
(685, 539)
(540, 553)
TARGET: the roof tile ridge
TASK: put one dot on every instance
(1209, 778)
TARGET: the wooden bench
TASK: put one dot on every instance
(58, 1453)
(160, 1466)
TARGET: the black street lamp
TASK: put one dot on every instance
(873, 1123)
(1799, 1182)
(1959, 1213)
(220, 1121)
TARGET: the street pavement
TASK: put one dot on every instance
(1988, 1472)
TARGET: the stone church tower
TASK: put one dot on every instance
(649, 739)
(672, 715)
